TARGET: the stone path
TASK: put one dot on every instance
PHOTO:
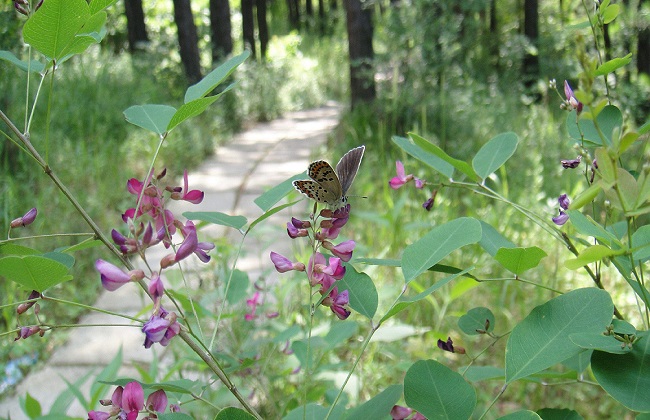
(239, 172)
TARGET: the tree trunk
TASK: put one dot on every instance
(643, 51)
(294, 13)
(220, 30)
(187, 40)
(262, 27)
(135, 27)
(362, 77)
(248, 25)
(531, 31)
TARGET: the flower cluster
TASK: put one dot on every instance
(162, 326)
(128, 401)
(322, 272)
(402, 179)
(22, 6)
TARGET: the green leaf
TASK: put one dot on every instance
(378, 406)
(613, 64)
(65, 259)
(519, 260)
(91, 33)
(542, 338)
(492, 240)
(586, 197)
(626, 377)
(217, 218)
(238, 287)
(475, 320)
(94, 243)
(194, 108)
(311, 412)
(34, 272)
(33, 65)
(641, 243)
(180, 386)
(97, 5)
(623, 327)
(427, 146)
(579, 362)
(610, 120)
(268, 214)
(406, 301)
(363, 294)
(494, 154)
(588, 227)
(13, 249)
(591, 254)
(54, 26)
(438, 392)
(483, 373)
(559, 414)
(339, 333)
(32, 406)
(521, 415)
(383, 262)
(430, 159)
(598, 341)
(108, 373)
(277, 193)
(154, 118)
(234, 413)
(214, 78)
(174, 416)
(437, 244)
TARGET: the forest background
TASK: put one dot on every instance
(455, 72)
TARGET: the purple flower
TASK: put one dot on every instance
(401, 178)
(400, 413)
(157, 401)
(283, 264)
(338, 301)
(343, 250)
(160, 328)
(191, 244)
(419, 184)
(449, 346)
(156, 288)
(194, 196)
(571, 163)
(132, 397)
(295, 232)
(561, 218)
(571, 99)
(564, 201)
(428, 205)
(23, 307)
(25, 332)
(253, 303)
(114, 277)
(25, 219)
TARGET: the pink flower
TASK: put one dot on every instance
(191, 244)
(194, 196)
(338, 301)
(114, 277)
(342, 250)
(283, 264)
(571, 99)
(132, 397)
(295, 232)
(400, 413)
(156, 288)
(26, 219)
(157, 401)
(401, 178)
(253, 303)
(160, 328)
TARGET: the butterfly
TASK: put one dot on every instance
(327, 185)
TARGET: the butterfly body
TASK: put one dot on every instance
(330, 186)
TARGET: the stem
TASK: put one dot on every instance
(503, 389)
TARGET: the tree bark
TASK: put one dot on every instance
(531, 31)
(187, 40)
(220, 30)
(135, 27)
(362, 77)
(248, 25)
(643, 51)
(294, 13)
(262, 27)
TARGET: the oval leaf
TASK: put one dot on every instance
(626, 377)
(559, 414)
(438, 392)
(378, 406)
(494, 154)
(233, 413)
(154, 118)
(34, 272)
(428, 158)
(521, 415)
(54, 26)
(32, 65)
(589, 255)
(542, 338)
(429, 147)
(599, 341)
(214, 78)
(519, 260)
(476, 320)
(363, 294)
(437, 244)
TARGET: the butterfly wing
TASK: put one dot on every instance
(325, 187)
(348, 167)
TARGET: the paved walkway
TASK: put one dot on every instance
(256, 159)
